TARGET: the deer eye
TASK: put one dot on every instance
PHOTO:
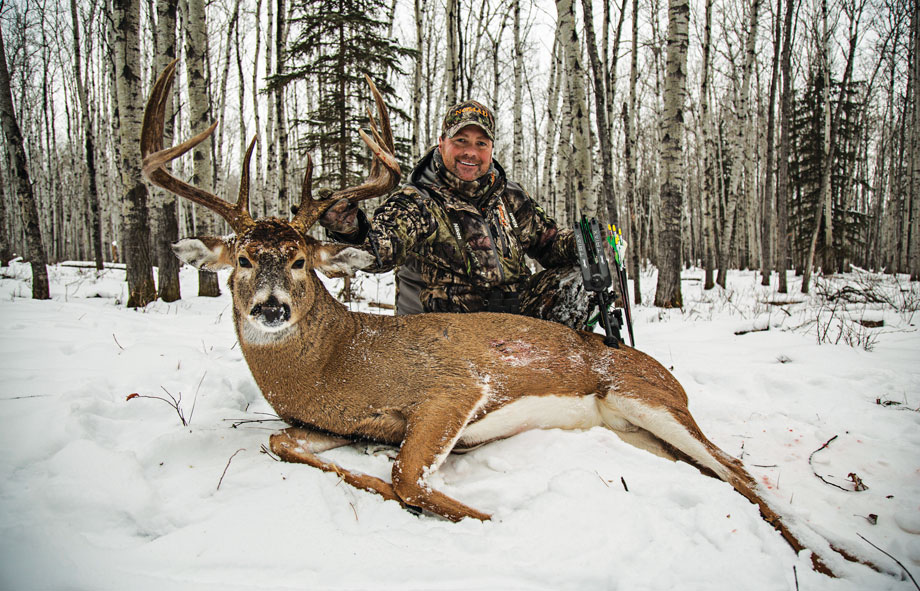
(244, 262)
(299, 264)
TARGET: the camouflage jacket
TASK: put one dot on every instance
(465, 239)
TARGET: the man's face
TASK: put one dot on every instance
(468, 154)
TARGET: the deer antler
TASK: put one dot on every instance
(155, 158)
(384, 176)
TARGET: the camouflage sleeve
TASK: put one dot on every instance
(399, 226)
(543, 240)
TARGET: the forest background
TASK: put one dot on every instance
(771, 135)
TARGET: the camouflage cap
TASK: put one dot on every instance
(468, 113)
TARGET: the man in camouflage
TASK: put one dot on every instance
(459, 231)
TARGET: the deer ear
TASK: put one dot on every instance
(208, 253)
(338, 260)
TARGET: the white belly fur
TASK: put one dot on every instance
(534, 412)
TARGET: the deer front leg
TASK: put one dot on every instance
(431, 433)
(299, 445)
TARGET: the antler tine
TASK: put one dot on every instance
(155, 158)
(242, 202)
(384, 115)
(310, 209)
(385, 171)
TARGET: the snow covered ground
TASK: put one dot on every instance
(101, 492)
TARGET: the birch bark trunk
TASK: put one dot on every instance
(607, 194)
(630, 124)
(518, 152)
(89, 143)
(165, 213)
(738, 156)
(452, 66)
(668, 292)
(766, 259)
(196, 49)
(582, 173)
(22, 185)
(708, 149)
(915, 148)
(135, 228)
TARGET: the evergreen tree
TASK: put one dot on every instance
(333, 44)
(805, 169)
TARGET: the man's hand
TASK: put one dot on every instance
(341, 218)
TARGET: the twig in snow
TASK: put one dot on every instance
(224, 473)
(623, 480)
(602, 479)
(815, 472)
(173, 402)
(195, 400)
(273, 419)
(355, 511)
(795, 575)
(269, 453)
(116, 342)
(913, 580)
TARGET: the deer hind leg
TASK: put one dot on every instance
(300, 445)
(677, 432)
(431, 434)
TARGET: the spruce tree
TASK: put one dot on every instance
(333, 44)
(806, 167)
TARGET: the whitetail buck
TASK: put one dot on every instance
(428, 383)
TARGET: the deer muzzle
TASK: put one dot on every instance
(271, 313)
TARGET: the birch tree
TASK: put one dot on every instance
(452, 59)
(739, 157)
(196, 63)
(22, 184)
(281, 127)
(89, 142)
(915, 146)
(607, 200)
(629, 128)
(707, 149)
(135, 227)
(766, 266)
(580, 149)
(668, 292)
(417, 145)
(517, 115)
(165, 209)
(785, 152)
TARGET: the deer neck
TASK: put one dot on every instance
(304, 348)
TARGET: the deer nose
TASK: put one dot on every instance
(272, 312)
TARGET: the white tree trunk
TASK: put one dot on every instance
(550, 189)
(915, 148)
(738, 142)
(196, 60)
(280, 114)
(163, 203)
(518, 158)
(580, 159)
(417, 147)
(668, 292)
(452, 63)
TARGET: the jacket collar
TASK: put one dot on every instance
(456, 193)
